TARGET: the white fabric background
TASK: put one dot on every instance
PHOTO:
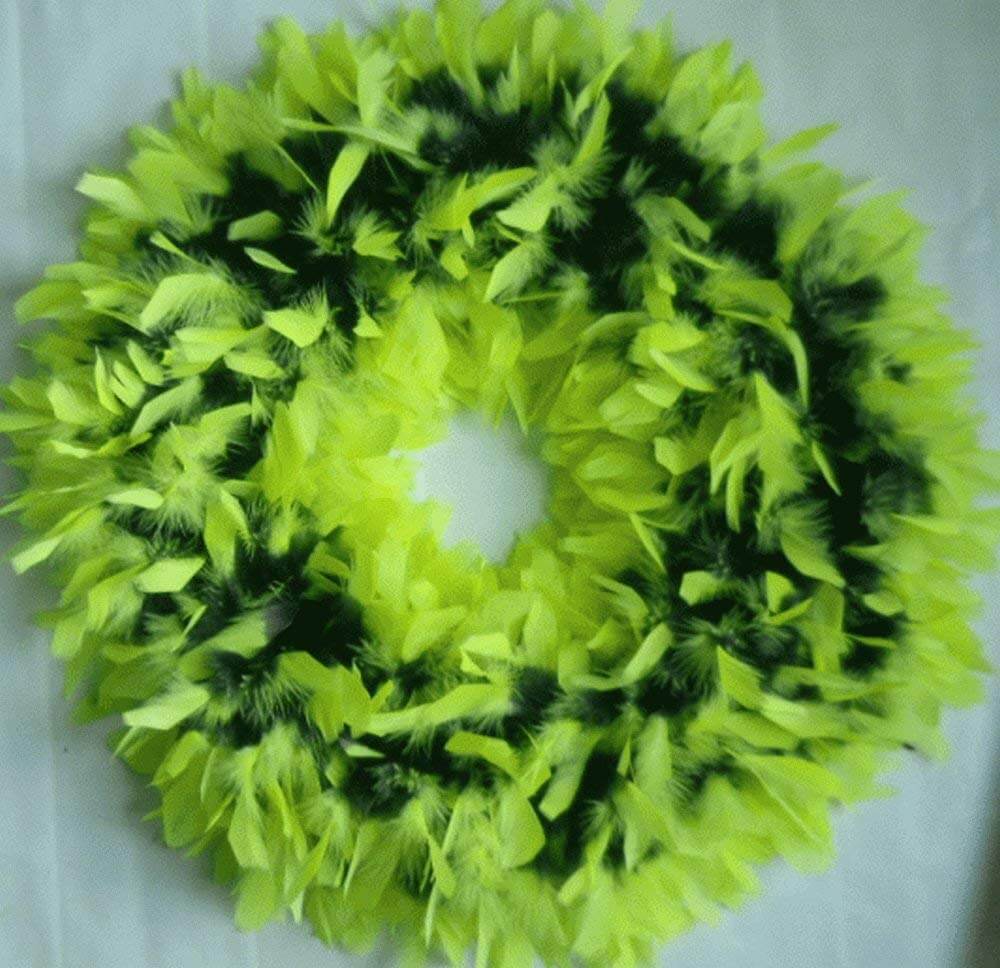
(85, 884)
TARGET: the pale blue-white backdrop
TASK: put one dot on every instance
(85, 884)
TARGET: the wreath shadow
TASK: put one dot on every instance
(982, 948)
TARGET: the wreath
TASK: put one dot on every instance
(749, 590)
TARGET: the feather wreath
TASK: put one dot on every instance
(750, 588)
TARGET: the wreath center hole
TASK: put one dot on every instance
(492, 477)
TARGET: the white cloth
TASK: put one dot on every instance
(85, 884)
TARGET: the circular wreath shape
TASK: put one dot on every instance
(750, 586)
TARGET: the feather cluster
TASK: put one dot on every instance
(750, 589)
